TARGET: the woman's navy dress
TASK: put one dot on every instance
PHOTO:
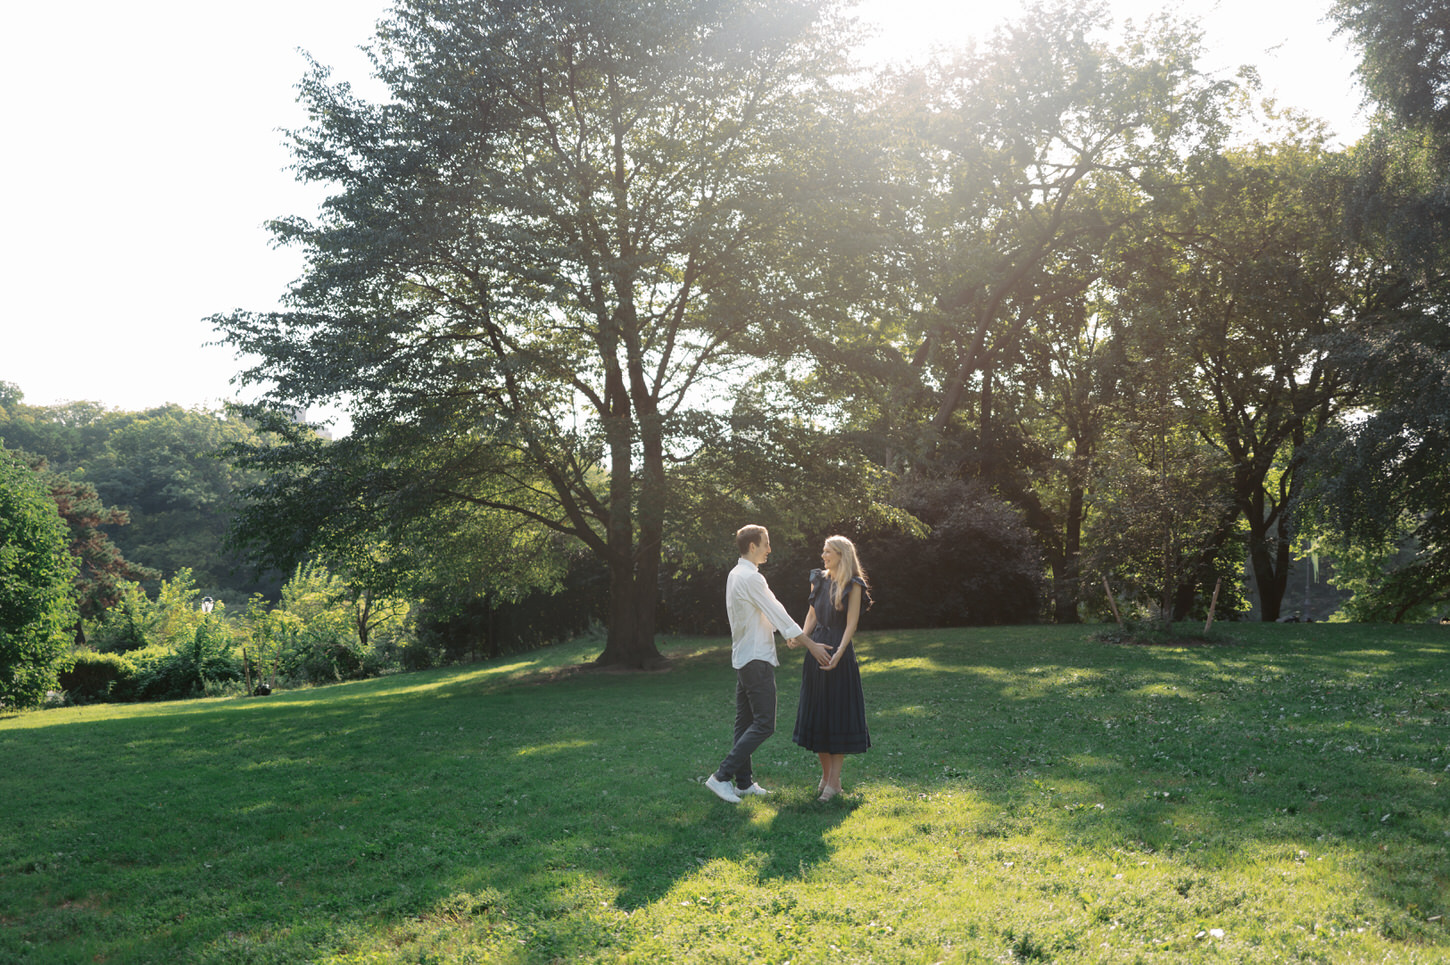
(831, 717)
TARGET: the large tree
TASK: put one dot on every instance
(1028, 166)
(159, 468)
(1256, 278)
(1405, 56)
(553, 260)
(1386, 478)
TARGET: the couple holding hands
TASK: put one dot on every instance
(831, 718)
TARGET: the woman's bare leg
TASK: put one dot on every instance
(833, 773)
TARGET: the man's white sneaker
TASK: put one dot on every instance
(752, 789)
(722, 789)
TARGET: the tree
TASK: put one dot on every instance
(164, 467)
(1385, 476)
(1260, 278)
(1015, 137)
(102, 572)
(1162, 495)
(36, 606)
(1035, 160)
(160, 469)
(554, 256)
(1405, 62)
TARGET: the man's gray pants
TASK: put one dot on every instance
(754, 720)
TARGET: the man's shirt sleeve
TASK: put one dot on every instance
(759, 593)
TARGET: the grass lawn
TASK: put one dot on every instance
(1032, 795)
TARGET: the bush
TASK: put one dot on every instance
(94, 675)
(128, 625)
(145, 676)
(978, 566)
(168, 649)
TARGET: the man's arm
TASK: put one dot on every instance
(757, 591)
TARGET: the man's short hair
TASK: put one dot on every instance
(748, 536)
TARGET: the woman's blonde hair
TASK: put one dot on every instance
(847, 567)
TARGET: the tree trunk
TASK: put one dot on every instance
(648, 551)
(634, 569)
(1065, 582)
(1269, 556)
(1270, 581)
(633, 600)
(364, 614)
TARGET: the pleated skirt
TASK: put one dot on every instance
(831, 716)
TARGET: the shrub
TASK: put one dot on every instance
(977, 566)
(128, 625)
(94, 675)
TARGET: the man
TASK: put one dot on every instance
(755, 615)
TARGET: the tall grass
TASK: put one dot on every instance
(1032, 795)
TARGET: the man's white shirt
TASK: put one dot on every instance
(755, 615)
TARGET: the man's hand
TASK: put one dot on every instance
(817, 650)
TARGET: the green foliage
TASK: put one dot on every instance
(323, 631)
(1032, 795)
(321, 642)
(130, 624)
(166, 649)
(1159, 506)
(158, 471)
(202, 665)
(164, 466)
(1405, 62)
(1383, 485)
(1383, 476)
(102, 571)
(976, 564)
(95, 676)
(37, 605)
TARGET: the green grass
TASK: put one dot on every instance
(1033, 795)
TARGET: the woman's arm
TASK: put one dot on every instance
(853, 614)
(809, 623)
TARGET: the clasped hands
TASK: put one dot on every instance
(818, 650)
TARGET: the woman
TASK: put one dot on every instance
(831, 717)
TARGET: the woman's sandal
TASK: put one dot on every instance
(827, 794)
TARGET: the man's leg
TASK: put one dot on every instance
(744, 718)
(754, 719)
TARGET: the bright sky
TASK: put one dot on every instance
(144, 154)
